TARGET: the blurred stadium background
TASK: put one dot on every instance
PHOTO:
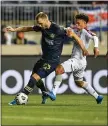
(17, 59)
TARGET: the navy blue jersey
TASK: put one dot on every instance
(52, 42)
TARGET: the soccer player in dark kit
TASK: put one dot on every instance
(52, 43)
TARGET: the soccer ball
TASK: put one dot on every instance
(21, 99)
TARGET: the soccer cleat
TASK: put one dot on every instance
(44, 98)
(13, 102)
(99, 99)
(51, 95)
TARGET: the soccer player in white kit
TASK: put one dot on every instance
(77, 63)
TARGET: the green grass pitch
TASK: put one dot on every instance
(66, 110)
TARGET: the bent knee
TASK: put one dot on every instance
(36, 76)
(59, 69)
(79, 83)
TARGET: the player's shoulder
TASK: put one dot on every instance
(88, 31)
(55, 25)
(58, 28)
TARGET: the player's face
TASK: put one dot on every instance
(43, 23)
(80, 24)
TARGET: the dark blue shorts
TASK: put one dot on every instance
(43, 68)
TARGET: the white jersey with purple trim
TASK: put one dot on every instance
(85, 36)
(77, 63)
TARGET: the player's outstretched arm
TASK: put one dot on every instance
(19, 29)
(78, 40)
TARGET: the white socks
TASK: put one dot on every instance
(57, 83)
(55, 87)
(90, 90)
(86, 86)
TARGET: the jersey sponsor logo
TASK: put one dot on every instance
(49, 42)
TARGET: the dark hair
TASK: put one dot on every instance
(41, 15)
(83, 17)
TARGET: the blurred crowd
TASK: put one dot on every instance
(8, 39)
(19, 37)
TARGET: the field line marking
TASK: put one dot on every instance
(51, 119)
(19, 117)
(63, 119)
(44, 118)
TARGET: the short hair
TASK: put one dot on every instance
(41, 15)
(83, 17)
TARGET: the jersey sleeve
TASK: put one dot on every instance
(91, 35)
(96, 41)
(36, 28)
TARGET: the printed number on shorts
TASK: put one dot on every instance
(46, 66)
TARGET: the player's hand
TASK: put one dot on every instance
(85, 53)
(9, 28)
(96, 52)
(69, 32)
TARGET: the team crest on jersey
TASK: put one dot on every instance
(52, 35)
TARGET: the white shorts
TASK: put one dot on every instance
(75, 66)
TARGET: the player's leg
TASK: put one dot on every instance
(38, 73)
(58, 79)
(35, 79)
(45, 70)
(60, 69)
(65, 67)
(39, 83)
(78, 77)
